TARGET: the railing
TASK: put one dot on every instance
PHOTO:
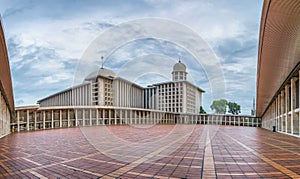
(63, 116)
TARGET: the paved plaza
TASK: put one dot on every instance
(160, 151)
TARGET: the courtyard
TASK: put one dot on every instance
(145, 151)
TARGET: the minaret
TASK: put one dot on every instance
(253, 108)
(179, 72)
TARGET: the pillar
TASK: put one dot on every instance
(44, 119)
(140, 117)
(91, 122)
(299, 105)
(76, 118)
(109, 116)
(60, 118)
(103, 117)
(97, 116)
(115, 116)
(83, 117)
(68, 116)
(293, 95)
(286, 107)
(282, 118)
(120, 116)
(35, 120)
(27, 119)
(52, 119)
(18, 121)
(126, 117)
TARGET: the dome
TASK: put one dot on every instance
(179, 67)
(101, 72)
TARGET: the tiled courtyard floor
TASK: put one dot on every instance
(161, 151)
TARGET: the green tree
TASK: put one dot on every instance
(234, 108)
(202, 111)
(219, 106)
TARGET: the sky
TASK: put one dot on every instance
(50, 43)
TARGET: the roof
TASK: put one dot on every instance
(179, 67)
(60, 92)
(101, 72)
(279, 49)
(5, 76)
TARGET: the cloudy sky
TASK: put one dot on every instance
(48, 41)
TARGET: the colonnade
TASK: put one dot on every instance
(34, 118)
(283, 113)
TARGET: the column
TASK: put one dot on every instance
(277, 113)
(243, 121)
(18, 121)
(109, 116)
(34, 120)
(140, 117)
(286, 107)
(130, 117)
(44, 119)
(83, 117)
(126, 117)
(60, 118)
(134, 116)
(27, 119)
(121, 116)
(68, 116)
(97, 116)
(76, 118)
(103, 117)
(234, 121)
(91, 117)
(115, 116)
(282, 110)
(52, 119)
(299, 105)
(292, 97)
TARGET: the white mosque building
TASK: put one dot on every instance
(104, 88)
(107, 99)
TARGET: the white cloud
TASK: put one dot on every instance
(50, 38)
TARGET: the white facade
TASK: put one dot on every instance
(105, 88)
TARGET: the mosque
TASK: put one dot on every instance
(104, 88)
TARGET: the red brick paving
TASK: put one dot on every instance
(238, 152)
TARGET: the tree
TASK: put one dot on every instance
(219, 106)
(202, 111)
(234, 108)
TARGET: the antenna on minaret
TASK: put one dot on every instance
(102, 62)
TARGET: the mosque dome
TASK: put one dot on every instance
(179, 67)
(101, 72)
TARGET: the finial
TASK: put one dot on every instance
(179, 60)
(102, 62)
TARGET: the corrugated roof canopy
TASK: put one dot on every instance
(5, 77)
(279, 48)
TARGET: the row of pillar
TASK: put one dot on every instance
(283, 113)
(28, 119)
